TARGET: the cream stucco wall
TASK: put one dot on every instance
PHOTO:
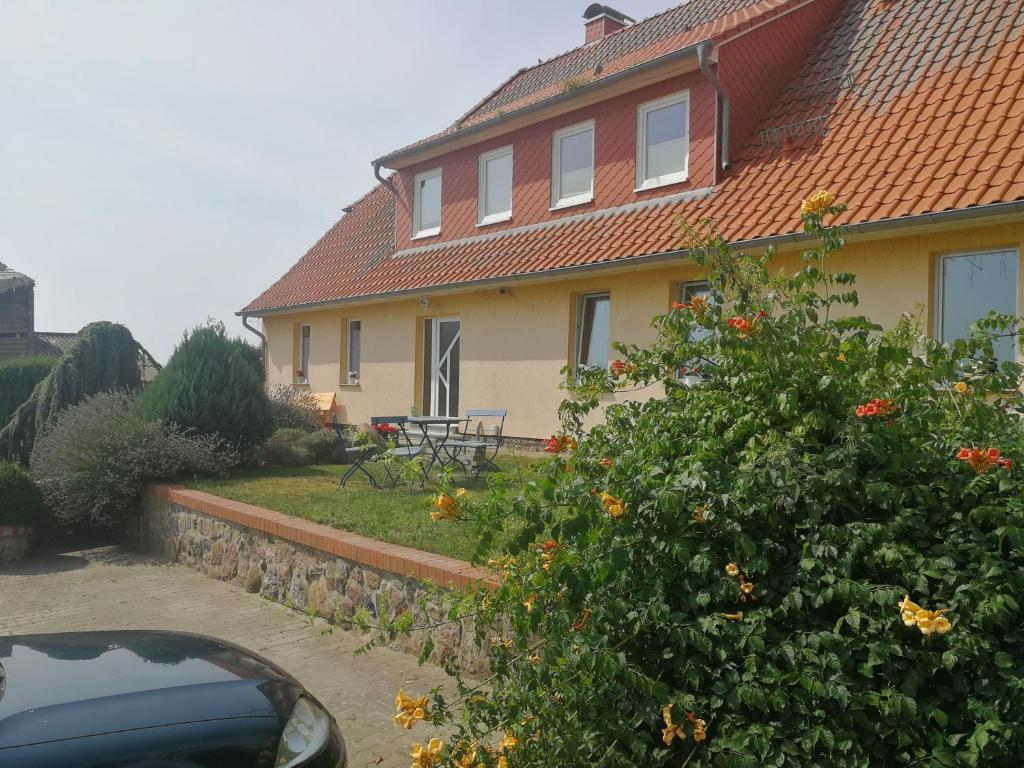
(515, 342)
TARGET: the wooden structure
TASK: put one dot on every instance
(17, 307)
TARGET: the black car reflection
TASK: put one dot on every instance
(140, 698)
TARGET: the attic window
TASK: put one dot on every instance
(426, 207)
(663, 141)
(495, 186)
(572, 165)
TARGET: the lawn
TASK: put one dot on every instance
(400, 515)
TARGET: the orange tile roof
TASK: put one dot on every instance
(905, 108)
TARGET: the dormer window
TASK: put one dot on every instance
(572, 166)
(495, 186)
(426, 205)
(663, 141)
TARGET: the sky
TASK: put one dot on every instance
(164, 161)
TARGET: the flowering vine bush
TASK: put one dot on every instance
(733, 573)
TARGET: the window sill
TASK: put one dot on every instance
(494, 218)
(665, 181)
(571, 202)
(350, 385)
(427, 233)
(300, 383)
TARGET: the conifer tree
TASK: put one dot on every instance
(212, 386)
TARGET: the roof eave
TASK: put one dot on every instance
(402, 157)
(862, 228)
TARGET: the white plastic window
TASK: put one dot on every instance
(495, 185)
(572, 175)
(663, 141)
(427, 203)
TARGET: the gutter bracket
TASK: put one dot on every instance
(703, 61)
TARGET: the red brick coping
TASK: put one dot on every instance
(14, 531)
(404, 561)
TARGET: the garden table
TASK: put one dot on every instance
(434, 443)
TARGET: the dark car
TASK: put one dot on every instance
(155, 699)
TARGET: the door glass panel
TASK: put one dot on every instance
(453, 380)
(447, 367)
(974, 284)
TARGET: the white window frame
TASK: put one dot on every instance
(581, 302)
(417, 230)
(644, 182)
(557, 201)
(305, 342)
(483, 218)
(939, 271)
(349, 378)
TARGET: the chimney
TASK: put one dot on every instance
(601, 21)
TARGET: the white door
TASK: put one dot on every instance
(442, 335)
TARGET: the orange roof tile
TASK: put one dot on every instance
(930, 117)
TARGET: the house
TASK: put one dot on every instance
(542, 225)
(18, 335)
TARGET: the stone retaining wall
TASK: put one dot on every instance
(14, 542)
(308, 566)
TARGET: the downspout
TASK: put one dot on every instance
(385, 182)
(703, 61)
(263, 342)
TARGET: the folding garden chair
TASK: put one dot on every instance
(400, 447)
(356, 453)
(481, 437)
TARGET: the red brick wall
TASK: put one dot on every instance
(754, 68)
(614, 164)
(601, 28)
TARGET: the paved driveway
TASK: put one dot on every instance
(109, 588)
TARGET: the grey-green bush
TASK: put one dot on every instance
(323, 447)
(294, 408)
(94, 459)
(285, 449)
(21, 503)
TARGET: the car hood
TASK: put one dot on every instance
(68, 685)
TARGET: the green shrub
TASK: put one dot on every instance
(21, 503)
(94, 459)
(18, 377)
(103, 357)
(716, 576)
(285, 448)
(294, 408)
(323, 447)
(211, 387)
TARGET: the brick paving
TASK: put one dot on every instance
(110, 588)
